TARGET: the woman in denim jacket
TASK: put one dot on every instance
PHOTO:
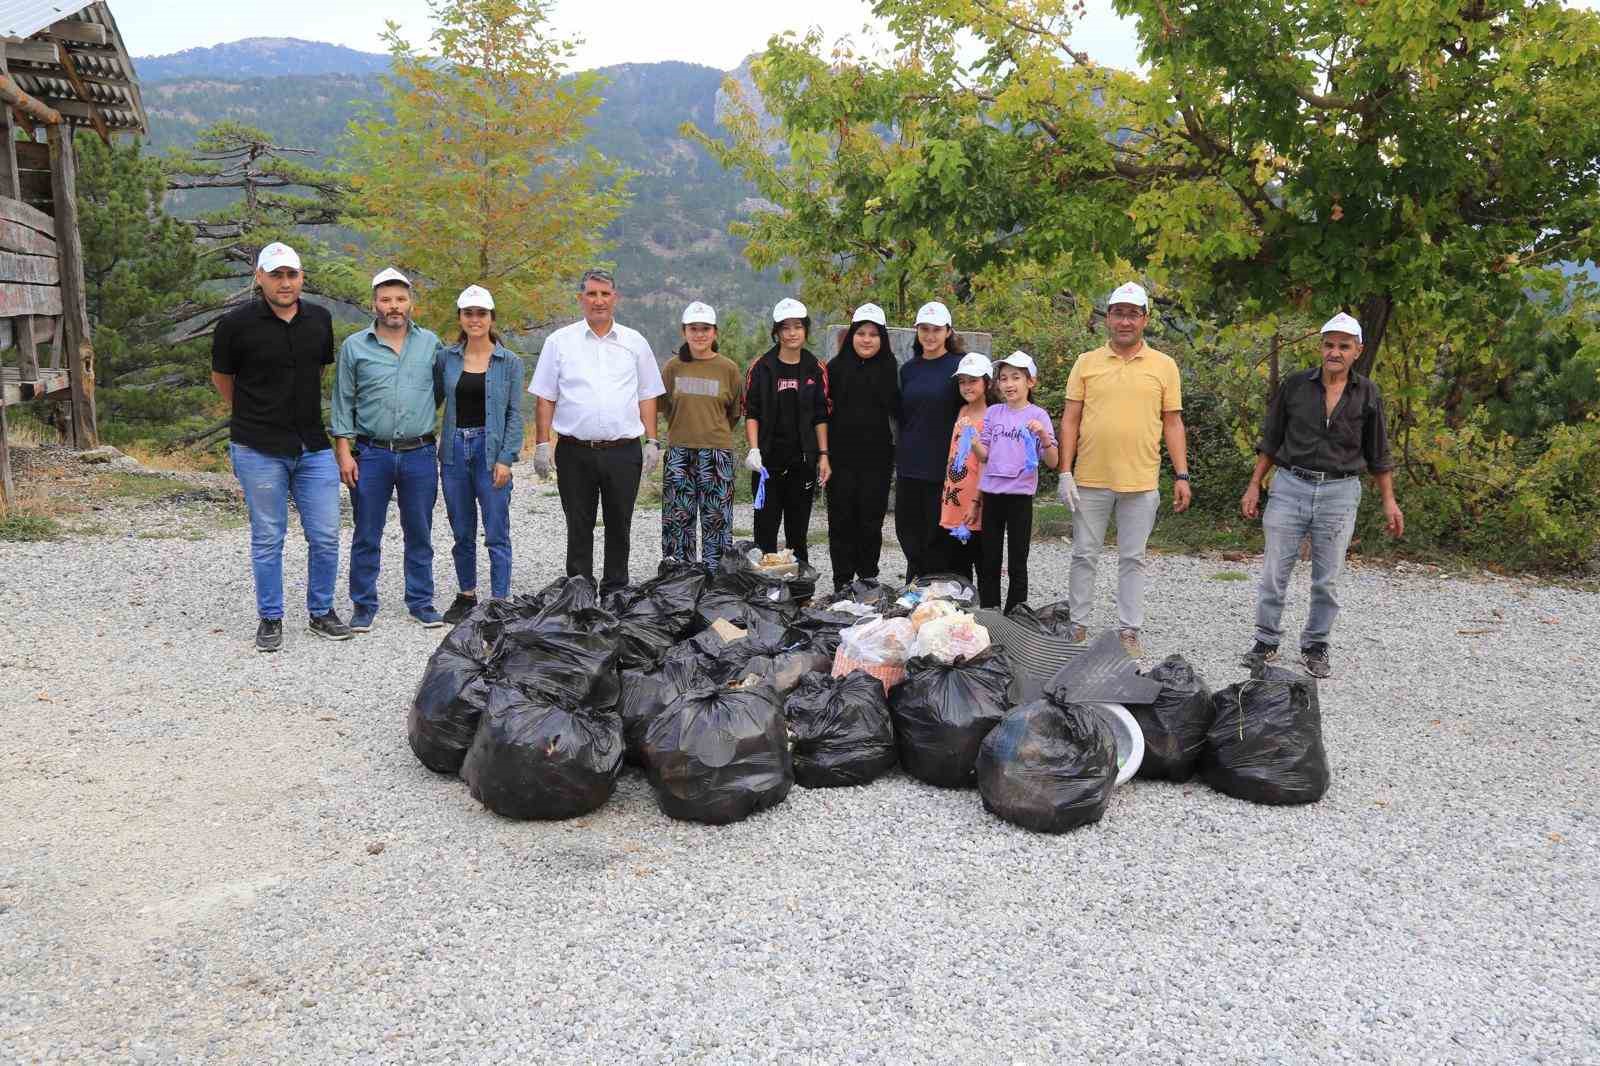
(479, 381)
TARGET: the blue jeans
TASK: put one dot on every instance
(413, 476)
(1296, 508)
(468, 480)
(312, 478)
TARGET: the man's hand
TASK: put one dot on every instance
(1250, 502)
(652, 455)
(824, 470)
(349, 469)
(501, 475)
(1181, 495)
(752, 461)
(542, 466)
(1393, 519)
(1067, 491)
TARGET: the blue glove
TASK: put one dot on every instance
(962, 533)
(761, 489)
(1031, 442)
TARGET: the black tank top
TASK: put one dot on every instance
(470, 393)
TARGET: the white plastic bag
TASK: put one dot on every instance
(951, 637)
(879, 642)
(928, 610)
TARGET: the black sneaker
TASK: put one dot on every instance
(460, 608)
(269, 634)
(361, 619)
(1317, 662)
(329, 626)
(1260, 654)
(427, 618)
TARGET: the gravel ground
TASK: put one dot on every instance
(217, 855)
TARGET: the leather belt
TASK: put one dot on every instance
(1317, 477)
(403, 444)
(600, 443)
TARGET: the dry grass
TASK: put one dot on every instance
(182, 460)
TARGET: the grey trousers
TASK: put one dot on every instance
(1136, 516)
(1296, 508)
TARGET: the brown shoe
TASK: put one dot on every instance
(1078, 634)
(1130, 643)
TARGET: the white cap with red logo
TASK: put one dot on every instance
(276, 255)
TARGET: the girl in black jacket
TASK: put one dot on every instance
(786, 408)
(864, 384)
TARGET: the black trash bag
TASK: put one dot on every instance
(572, 658)
(1051, 620)
(783, 670)
(644, 633)
(646, 693)
(1048, 768)
(1175, 723)
(942, 711)
(445, 709)
(720, 661)
(869, 593)
(718, 754)
(744, 599)
(564, 595)
(819, 628)
(1265, 743)
(675, 590)
(534, 757)
(840, 730)
(441, 731)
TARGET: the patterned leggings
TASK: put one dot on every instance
(697, 481)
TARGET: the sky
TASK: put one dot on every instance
(716, 33)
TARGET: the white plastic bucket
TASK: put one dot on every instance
(1130, 739)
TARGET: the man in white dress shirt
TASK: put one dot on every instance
(596, 385)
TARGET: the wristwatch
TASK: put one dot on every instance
(1180, 477)
(822, 455)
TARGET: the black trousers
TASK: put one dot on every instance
(607, 478)
(964, 559)
(858, 499)
(790, 491)
(916, 525)
(1007, 523)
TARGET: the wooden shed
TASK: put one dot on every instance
(63, 65)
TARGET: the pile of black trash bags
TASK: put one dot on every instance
(719, 686)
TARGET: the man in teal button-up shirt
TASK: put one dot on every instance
(383, 421)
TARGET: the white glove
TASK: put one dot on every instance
(1068, 492)
(542, 466)
(652, 455)
(752, 461)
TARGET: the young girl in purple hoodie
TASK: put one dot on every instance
(1015, 441)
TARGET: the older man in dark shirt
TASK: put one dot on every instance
(1324, 429)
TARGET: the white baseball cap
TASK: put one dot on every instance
(474, 296)
(1343, 323)
(1130, 293)
(388, 274)
(974, 365)
(787, 308)
(1020, 360)
(275, 255)
(700, 312)
(933, 313)
(870, 313)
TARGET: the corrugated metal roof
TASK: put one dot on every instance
(24, 18)
(106, 71)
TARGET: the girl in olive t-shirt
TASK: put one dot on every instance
(702, 407)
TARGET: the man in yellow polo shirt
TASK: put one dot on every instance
(1122, 400)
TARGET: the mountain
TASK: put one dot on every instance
(260, 57)
(670, 246)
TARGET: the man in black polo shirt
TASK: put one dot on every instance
(266, 361)
(1324, 429)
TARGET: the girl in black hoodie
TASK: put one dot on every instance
(864, 384)
(786, 409)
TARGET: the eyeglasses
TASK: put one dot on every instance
(1126, 316)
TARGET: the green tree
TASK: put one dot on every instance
(139, 265)
(475, 176)
(269, 193)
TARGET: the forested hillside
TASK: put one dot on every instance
(670, 246)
